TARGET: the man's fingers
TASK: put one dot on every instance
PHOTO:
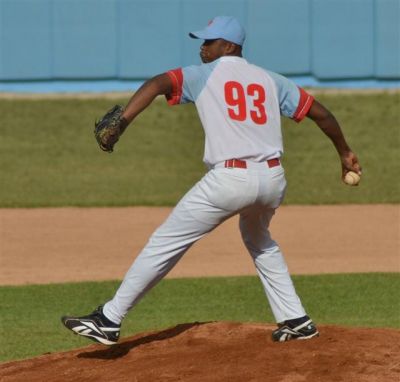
(350, 163)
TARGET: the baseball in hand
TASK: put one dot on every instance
(352, 178)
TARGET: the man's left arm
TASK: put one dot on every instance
(158, 85)
(112, 125)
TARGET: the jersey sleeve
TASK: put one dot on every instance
(294, 101)
(305, 102)
(187, 83)
(176, 77)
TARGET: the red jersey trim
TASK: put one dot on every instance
(305, 102)
(176, 77)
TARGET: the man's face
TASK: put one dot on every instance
(211, 50)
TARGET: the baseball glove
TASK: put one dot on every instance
(109, 128)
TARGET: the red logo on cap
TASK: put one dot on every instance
(210, 22)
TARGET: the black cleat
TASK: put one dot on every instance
(290, 330)
(95, 326)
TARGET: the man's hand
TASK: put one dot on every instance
(110, 127)
(350, 163)
(329, 125)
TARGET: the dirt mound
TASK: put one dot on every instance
(218, 351)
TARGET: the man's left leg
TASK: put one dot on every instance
(194, 216)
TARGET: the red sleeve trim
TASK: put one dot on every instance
(305, 102)
(176, 77)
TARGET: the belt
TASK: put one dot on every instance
(238, 163)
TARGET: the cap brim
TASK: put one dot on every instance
(204, 35)
(193, 35)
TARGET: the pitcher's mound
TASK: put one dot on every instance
(220, 351)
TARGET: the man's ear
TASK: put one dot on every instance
(230, 48)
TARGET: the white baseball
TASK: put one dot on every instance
(352, 178)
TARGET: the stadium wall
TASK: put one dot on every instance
(136, 39)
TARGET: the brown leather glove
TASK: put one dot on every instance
(109, 128)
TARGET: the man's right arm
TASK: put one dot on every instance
(330, 126)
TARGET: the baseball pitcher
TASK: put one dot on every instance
(240, 107)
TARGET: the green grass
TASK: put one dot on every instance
(371, 123)
(49, 156)
(30, 315)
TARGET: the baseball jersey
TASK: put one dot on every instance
(240, 107)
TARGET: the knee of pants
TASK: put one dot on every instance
(256, 249)
(259, 243)
(253, 224)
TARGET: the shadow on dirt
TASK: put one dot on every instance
(122, 349)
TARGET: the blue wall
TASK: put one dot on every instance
(135, 39)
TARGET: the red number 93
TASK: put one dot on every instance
(235, 96)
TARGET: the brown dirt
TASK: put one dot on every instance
(233, 352)
(70, 244)
(75, 244)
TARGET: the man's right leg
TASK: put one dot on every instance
(293, 323)
(270, 263)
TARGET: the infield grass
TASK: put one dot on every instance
(30, 315)
(49, 156)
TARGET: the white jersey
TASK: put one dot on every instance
(240, 107)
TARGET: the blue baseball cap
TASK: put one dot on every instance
(226, 27)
